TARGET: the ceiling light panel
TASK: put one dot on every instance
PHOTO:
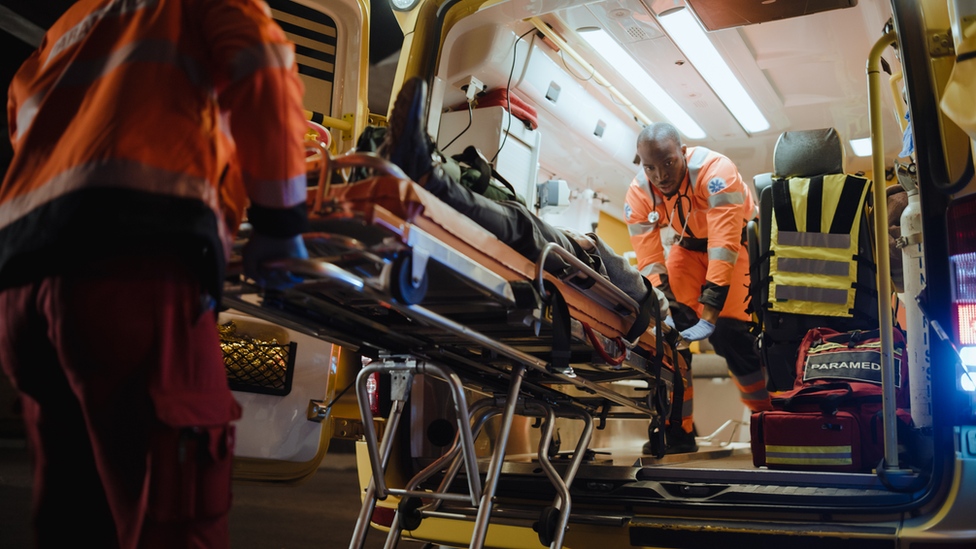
(684, 29)
(625, 65)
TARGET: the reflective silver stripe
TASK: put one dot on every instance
(78, 32)
(808, 455)
(813, 266)
(82, 73)
(749, 379)
(695, 163)
(687, 407)
(808, 293)
(654, 268)
(115, 174)
(261, 56)
(636, 229)
(283, 193)
(27, 112)
(814, 240)
(759, 394)
(723, 254)
(724, 199)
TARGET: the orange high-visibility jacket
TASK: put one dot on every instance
(707, 213)
(120, 121)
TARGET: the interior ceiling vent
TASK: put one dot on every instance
(637, 33)
(724, 14)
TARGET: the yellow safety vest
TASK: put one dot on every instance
(814, 244)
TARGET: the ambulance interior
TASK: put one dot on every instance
(732, 77)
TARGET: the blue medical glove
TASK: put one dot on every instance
(701, 330)
(261, 249)
(669, 321)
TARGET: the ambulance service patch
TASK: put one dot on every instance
(716, 184)
(627, 211)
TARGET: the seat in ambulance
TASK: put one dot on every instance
(812, 250)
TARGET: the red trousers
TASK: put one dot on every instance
(126, 404)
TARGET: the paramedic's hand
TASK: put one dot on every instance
(261, 249)
(701, 330)
(669, 321)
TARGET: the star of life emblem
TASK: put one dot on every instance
(716, 184)
(627, 211)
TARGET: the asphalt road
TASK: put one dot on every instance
(320, 513)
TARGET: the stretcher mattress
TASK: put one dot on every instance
(390, 201)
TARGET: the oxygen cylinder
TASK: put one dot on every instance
(917, 325)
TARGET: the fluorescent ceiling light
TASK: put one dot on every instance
(625, 64)
(862, 147)
(690, 37)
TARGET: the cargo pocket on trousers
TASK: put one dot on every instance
(190, 472)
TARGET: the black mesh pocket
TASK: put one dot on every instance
(255, 366)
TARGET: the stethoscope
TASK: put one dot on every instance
(677, 203)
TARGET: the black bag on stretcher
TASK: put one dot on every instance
(832, 419)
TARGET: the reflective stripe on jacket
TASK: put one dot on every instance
(120, 108)
(709, 210)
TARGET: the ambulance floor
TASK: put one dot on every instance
(320, 513)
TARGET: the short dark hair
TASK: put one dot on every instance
(659, 131)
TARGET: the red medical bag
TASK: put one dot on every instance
(832, 419)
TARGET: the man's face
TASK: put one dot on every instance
(664, 164)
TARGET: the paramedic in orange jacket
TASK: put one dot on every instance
(701, 196)
(116, 219)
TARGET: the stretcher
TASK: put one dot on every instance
(397, 275)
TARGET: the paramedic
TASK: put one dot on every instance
(701, 196)
(116, 216)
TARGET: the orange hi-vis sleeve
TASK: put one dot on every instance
(644, 218)
(725, 197)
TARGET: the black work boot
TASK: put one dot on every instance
(406, 143)
(681, 441)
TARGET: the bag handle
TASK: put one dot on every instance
(828, 405)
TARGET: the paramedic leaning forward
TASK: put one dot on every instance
(701, 196)
(115, 216)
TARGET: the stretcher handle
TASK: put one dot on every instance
(575, 262)
(352, 159)
(603, 352)
(312, 268)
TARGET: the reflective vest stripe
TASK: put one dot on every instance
(811, 293)
(695, 163)
(636, 229)
(261, 56)
(654, 268)
(83, 73)
(723, 254)
(814, 240)
(118, 174)
(276, 194)
(814, 266)
(78, 32)
(725, 199)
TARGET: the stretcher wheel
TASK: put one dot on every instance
(408, 517)
(546, 527)
(402, 284)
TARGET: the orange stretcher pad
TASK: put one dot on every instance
(397, 204)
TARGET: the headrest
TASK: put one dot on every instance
(808, 153)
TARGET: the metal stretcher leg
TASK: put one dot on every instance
(482, 412)
(495, 466)
(402, 373)
(562, 503)
(369, 499)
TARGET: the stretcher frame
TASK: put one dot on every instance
(359, 272)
